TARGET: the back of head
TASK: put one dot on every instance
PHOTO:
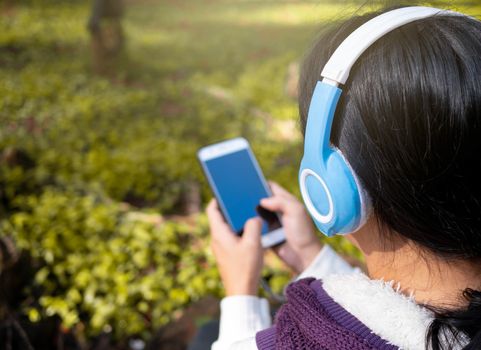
(409, 123)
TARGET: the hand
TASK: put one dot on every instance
(239, 259)
(302, 245)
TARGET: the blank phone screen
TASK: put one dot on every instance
(239, 187)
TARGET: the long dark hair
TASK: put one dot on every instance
(409, 123)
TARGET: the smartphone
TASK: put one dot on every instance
(238, 185)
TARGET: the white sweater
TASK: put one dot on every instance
(389, 314)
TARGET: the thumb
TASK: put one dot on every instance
(252, 230)
(275, 203)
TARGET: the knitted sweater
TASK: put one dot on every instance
(311, 319)
(378, 305)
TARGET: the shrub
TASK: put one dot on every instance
(86, 162)
(107, 267)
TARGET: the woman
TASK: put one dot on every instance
(409, 124)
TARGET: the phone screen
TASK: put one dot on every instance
(239, 188)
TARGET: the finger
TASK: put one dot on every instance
(276, 203)
(213, 213)
(278, 190)
(252, 231)
(219, 228)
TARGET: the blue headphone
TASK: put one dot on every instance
(330, 189)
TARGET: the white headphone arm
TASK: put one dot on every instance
(336, 71)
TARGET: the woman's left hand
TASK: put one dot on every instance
(239, 259)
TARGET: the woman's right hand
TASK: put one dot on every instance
(302, 245)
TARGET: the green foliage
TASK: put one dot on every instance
(74, 148)
(110, 267)
(84, 130)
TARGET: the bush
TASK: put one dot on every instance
(110, 268)
(87, 162)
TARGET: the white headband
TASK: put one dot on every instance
(336, 71)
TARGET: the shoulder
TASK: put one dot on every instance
(382, 307)
(312, 319)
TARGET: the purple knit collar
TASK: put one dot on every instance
(266, 339)
(348, 321)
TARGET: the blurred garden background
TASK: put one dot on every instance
(103, 105)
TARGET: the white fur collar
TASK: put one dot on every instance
(382, 308)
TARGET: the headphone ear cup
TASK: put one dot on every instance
(359, 204)
(328, 184)
(320, 197)
(333, 195)
(366, 206)
(365, 199)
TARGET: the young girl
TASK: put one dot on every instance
(409, 124)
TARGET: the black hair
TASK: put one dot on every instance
(409, 123)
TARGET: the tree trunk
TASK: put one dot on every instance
(107, 37)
